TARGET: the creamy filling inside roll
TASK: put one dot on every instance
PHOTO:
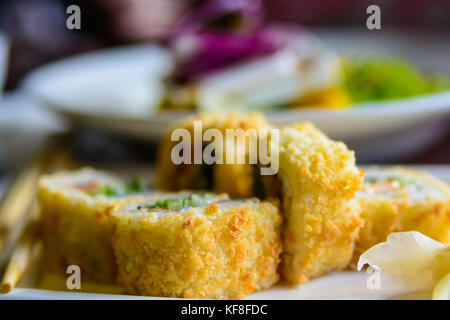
(391, 184)
(178, 203)
(100, 184)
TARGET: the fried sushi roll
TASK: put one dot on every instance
(397, 199)
(76, 220)
(198, 246)
(232, 178)
(319, 181)
(316, 182)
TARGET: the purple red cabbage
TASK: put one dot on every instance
(202, 45)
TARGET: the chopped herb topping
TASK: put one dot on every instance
(136, 185)
(194, 200)
(401, 180)
(371, 180)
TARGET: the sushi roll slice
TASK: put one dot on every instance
(76, 220)
(234, 179)
(316, 184)
(319, 181)
(397, 199)
(198, 246)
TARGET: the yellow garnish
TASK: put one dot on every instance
(333, 98)
(442, 289)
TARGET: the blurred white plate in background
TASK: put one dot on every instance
(120, 83)
(118, 90)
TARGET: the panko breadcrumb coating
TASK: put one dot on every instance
(316, 183)
(76, 225)
(234, 179)
(398, 199)
(223, 250)
(319, 183)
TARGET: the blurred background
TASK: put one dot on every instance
(34, 33)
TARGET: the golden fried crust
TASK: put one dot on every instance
(235, 179)
(383, 216)
(222, 253)
(380, 217)
(77, 229)
(319, 183)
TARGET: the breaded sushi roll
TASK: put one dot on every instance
(232, 178)
(319, 182)
(198, 246)
(316, 182)
(76, 219)
(397, 199)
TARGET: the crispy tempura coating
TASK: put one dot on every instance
(319, 183)
(213, 252)
(235, 179)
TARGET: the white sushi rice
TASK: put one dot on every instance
(141, 210)
(84, 177)
(418, 191)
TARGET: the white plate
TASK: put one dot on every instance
(118, 83)
(339, 285)
(117, 90)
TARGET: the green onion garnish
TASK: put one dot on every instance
(173, 204)
(402, 180)
(136, 185)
